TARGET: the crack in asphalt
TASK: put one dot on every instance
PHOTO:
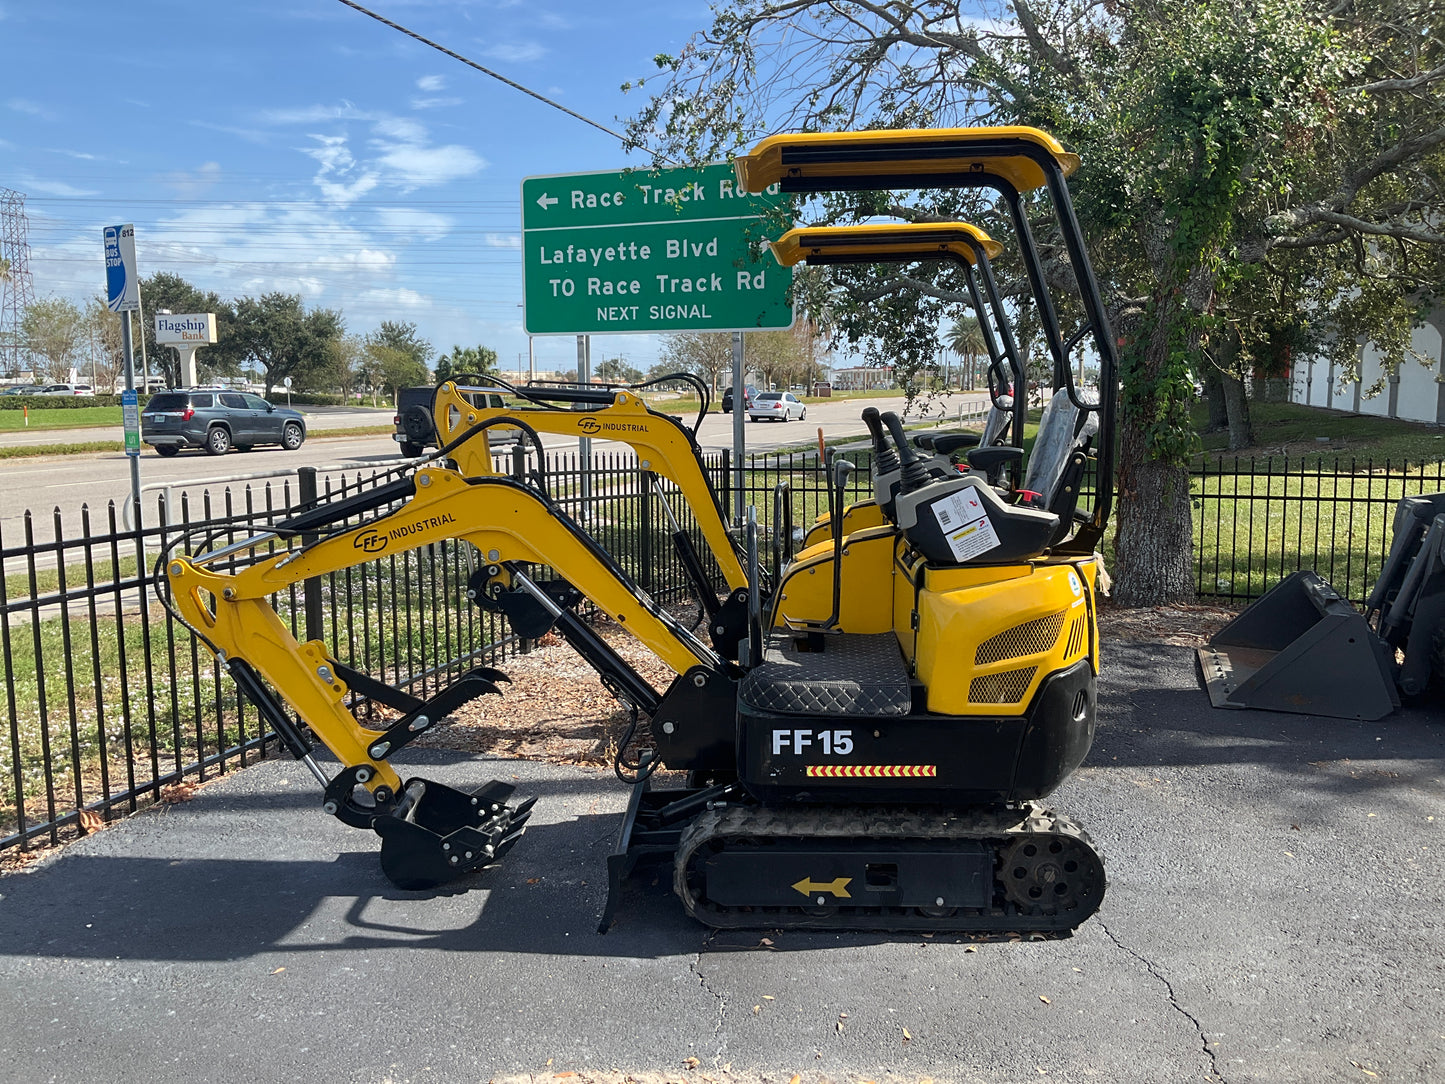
(722, 1001)
(1173, 999)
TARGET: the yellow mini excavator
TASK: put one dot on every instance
(870, 749)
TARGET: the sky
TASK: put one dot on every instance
(301, 146)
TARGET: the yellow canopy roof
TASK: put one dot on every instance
(900, 158)
(883, 240)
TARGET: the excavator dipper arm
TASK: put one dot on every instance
(662, 445)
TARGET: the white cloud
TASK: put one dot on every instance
(31, 109)
(314, 114)
(192, 183)
(84, 156)
(55, 188)
(416, 165)
(518, 52)
(435, 103)
(400, 297)
(401, 128)
(341, 178)
(423, 225)
(250, 135)
(400, 154)
(504, 240)
(431, 83)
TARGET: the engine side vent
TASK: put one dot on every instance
(1077, 633)
(1007, 687)
(1030, 638)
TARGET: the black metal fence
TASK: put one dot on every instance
(108, 701)
(1258, 520)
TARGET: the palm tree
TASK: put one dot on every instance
(966, 339)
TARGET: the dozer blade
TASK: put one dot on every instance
(1301, 648)
(437, 834)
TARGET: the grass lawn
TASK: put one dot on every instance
(1329, 437)
(59, 417)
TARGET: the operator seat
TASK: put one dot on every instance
(1060, 454)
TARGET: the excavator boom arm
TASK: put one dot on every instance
(506, 522)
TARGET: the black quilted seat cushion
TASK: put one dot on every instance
(854, 675)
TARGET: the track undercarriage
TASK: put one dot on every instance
(1015, 868)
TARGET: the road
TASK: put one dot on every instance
(66, 483)
(1272, 915)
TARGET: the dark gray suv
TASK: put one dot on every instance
(217, 421)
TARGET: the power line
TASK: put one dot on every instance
(485, 71)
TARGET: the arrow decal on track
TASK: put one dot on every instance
(838, 887)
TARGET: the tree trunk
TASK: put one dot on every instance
(1214, 395)
(1236, 398)
(1153, 549)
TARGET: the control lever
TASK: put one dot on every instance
(885, 459)
(914, 475)
(841, 469)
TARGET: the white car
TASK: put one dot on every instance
(66, 389)
(780, 406)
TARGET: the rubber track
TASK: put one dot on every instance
(1000, 826)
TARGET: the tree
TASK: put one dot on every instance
(276, 333)
(105, 346)
(666, 368)
(480, 360)
(1234, 150)
(617, 371)
(53, 329)
(344, 368)
(779, 357)
(965, 338)
(401, 337)
(172, 293)
(709, 354)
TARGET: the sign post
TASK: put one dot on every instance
(122, 295)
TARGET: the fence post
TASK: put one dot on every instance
(645, 521)
(306, 495)
(727, 480)
(519, 474)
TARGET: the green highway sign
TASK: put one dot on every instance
(644, 251)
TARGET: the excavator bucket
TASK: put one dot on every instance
(437, 834)
(1301, 648)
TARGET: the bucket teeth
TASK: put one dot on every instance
(436, 834)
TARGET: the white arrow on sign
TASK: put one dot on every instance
(546, 201)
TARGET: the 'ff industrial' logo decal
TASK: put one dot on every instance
(374, 541)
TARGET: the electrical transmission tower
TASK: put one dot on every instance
(16, 290)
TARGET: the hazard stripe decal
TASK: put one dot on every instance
(872, 771)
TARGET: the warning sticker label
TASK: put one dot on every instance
(965, 524)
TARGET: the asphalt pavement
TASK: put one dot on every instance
(1274, 913)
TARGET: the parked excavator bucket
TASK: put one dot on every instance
(437, 834)
(1301, 648)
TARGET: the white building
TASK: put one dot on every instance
(1414, 392)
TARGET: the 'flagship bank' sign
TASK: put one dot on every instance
(198, 327)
